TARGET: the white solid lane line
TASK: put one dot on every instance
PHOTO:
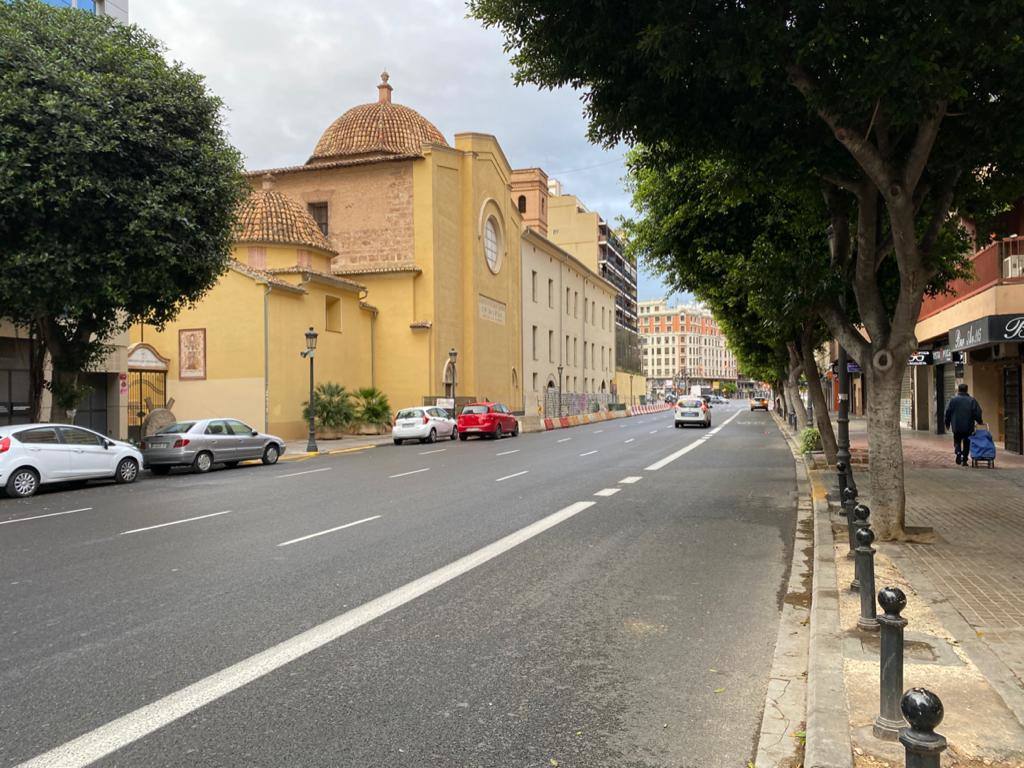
(414, 472)
(436, 450)
(175, 522)
(119, 733)
(631, 479)
(598, 431)
(588, 453)
(509, 477)
(506, 453)
(607, 491)
(565, 439)
(685, 450)
(51, 514)
(306, 472)
(630, 440)
(329, 530)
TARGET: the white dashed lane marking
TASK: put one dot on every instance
(509, 477)
(607, 491)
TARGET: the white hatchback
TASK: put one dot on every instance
(425, 424)
(692, 410)
(36, 454)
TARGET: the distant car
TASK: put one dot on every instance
(201, 443)
(424, 424)
(487, 420)
(759, 402)
(670, 399)
(692, 410)
(718, 400)
(36, 454)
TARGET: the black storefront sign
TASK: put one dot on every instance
(987, 330)
(946, 355)
(921, 357)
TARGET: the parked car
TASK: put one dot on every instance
(201, 443)
(36, 454)
(424, 424)
(759, 402)
(487, 420)
(718, 400)
(692, 410)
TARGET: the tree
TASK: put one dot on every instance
(900, 111)
(118, 187)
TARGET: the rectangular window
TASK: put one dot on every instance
(551, 346)
(533, 285)
(257, 257)
(535, 341)
(319, 213)
(575, 304)
(332, 319)
(535, 382)
(566, 349)
(585, 303)
(575, 351)
(568, 297)
(551, 294)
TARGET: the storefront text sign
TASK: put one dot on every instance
(921, 357)
(987, 330)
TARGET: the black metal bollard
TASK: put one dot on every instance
(889, 721)
(841, 470)
(856, 521)
(849, 502)
(923, 710)
(865, 566)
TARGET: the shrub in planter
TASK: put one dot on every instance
(373, 409)
(810, 440)
(334, 409)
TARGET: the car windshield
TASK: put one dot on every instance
(475, 409)
(409, 413)
(176, 428)
(690, 403)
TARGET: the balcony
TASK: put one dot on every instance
(1001, 262)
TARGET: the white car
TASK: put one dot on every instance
(36, 454)
(692, 410)
(426, 424)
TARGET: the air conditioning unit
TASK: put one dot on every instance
(1013, 266)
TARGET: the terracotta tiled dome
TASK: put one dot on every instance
(379, 128)
(270, 217)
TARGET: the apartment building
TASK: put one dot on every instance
(682, 346)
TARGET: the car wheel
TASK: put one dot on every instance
(498, 434)
(22, 483)
(463, 438)
(160, 469)
(397, 441)
(455, 434)
(271, 454)
(202, 462)
(515, 429)
(230, 464)
(127, 471)
(432, 437)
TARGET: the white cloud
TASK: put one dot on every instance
(286, 70)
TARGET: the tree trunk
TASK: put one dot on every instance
(885, 451)
(796, 404)
(821, 416)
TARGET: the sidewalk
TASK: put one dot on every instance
(965, 591)
(295, 450)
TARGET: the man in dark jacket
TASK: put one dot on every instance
(962, 413)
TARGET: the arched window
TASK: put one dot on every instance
(522, 203)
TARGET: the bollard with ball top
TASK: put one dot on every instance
(865, 566)
(923, 710)
(849, 502)
(889, 721)
(857, 520)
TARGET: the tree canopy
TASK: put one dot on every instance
(118, 187)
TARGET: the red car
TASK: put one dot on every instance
(487, 420)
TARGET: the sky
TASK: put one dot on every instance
(286, 70)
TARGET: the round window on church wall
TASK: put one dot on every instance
(492, 246)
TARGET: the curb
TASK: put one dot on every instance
(313, 454)
(828, 718)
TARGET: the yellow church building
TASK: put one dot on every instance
(431, 231)
(237, 352)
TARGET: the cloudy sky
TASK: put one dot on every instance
(286, 70)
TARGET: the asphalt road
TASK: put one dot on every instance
(577, 597)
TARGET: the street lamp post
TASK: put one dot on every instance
(310, 352)
(559, 390)
(452, 356)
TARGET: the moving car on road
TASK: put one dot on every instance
(424, 424)
(759, 402)
(487, 420)
(36, 454)
(692, 410)
(201, 443)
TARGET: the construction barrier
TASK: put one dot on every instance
(589, 418)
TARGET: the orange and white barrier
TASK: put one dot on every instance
(565, 422)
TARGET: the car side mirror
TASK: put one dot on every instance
(255, 433)
(107, 444)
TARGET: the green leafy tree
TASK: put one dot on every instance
(372, 407)
(900, 112)
(118, 187)
(334, 408)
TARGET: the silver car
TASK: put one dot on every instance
(202, 443)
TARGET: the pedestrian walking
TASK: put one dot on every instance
(962, 413)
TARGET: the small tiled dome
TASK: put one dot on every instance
(379, 128)
(269, 217)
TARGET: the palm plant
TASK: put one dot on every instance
(334, 407)
(373, 407)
